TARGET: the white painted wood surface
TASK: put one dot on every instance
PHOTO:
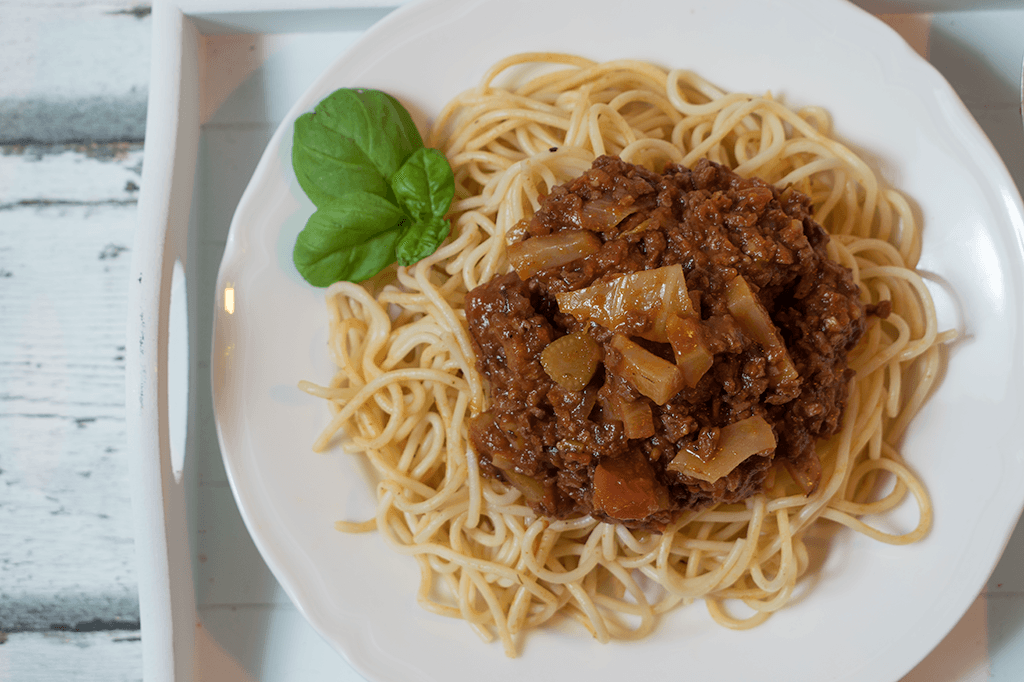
(70, 74)
(67, 221)
(62, 415)
(110, 656)
(75, 70)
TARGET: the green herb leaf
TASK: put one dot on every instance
(421, 239)
(380, 195)
(424, 185)
(328, 165)
(351, 239)
(376, 122)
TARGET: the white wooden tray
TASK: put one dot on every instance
(223, 75)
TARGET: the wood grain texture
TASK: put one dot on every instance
(73, 71)
(71, 657)
(82, 174)
(63, 468)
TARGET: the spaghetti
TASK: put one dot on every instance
(406, 384)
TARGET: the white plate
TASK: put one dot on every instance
(874, 610)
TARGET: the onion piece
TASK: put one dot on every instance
(736, 442)
(657, 294)
(532, 489)
(636, 415)
(755, 322)
(571, 360)
(506, 461)
(657, 379)
(806, 472)
(693, 357)
(532, 255)
(602, 214)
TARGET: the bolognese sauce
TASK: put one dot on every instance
(664, 341)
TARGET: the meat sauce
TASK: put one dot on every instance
(664, 342)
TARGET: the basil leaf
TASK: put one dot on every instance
(421, 239)
(424, 185)
(328, 165)
(375, 122)
(350, 239)
(380, 195)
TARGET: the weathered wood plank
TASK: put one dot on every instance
(63, 472)
(73, 72)
(69, 174)
(71, 657)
